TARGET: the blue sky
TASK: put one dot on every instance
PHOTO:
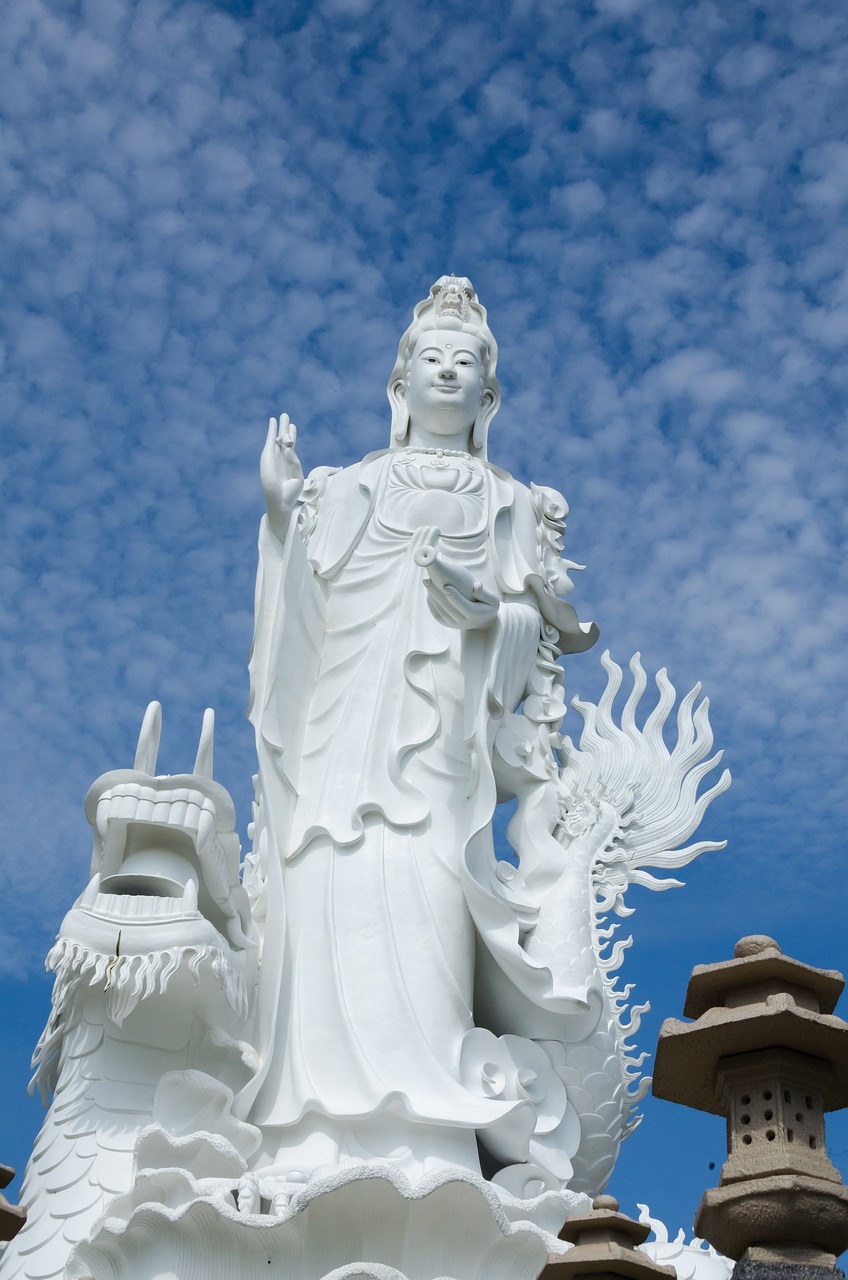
(214, 212)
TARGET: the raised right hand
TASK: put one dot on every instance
(280, 471)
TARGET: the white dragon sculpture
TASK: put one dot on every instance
(150, 1031)
(153, 968)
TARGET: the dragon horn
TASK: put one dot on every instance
(203, 763)
(147, 751)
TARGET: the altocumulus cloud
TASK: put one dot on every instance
(214, 212)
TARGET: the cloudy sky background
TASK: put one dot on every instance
(212, 212)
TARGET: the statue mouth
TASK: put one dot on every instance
(164, 855)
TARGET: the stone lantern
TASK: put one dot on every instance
(605, 1247)
(12, 1217)
(766, 1052)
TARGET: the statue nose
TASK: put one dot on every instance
(447, 372)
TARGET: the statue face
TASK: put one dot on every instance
(444, 381)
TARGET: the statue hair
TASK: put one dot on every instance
(471, 319)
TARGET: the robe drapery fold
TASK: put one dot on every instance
(374, 727)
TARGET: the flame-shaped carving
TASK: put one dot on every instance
(621, 806)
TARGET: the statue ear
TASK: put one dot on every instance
(488, 408)
(400, 412)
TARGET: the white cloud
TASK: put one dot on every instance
(674, 78)
(743, 68)
(579, 199)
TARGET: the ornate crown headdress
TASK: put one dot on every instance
(452, 296)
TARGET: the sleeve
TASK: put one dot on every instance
(528, 536)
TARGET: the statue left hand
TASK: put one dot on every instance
(455, 598)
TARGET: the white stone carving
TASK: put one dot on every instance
(696, 1260)
(450, 1224)
(153, 973)
(243, 1059)
(584, 831)
(409, 605)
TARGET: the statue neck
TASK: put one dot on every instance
(421, 438)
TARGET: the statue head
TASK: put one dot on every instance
(452, 305)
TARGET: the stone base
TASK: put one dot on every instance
(366, 1221)
(749, 1269)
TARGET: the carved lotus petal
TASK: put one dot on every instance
(451, 1227)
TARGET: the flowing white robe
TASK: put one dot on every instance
(374, 727)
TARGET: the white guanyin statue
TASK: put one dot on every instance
(377, 1018)
(406, 605)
